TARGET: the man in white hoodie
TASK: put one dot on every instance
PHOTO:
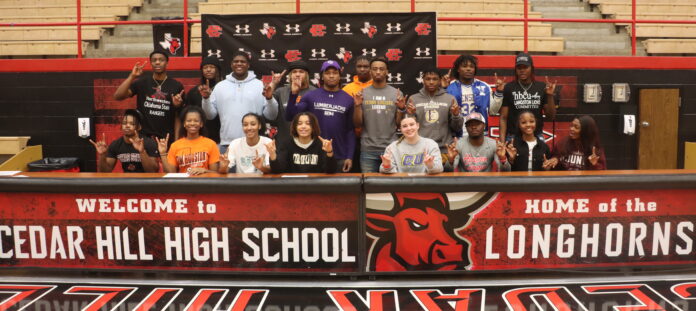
(237, 95)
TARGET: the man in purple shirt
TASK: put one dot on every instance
(334, 110)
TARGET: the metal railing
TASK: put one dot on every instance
(525, 20)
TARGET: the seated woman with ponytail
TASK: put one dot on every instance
(411, 153)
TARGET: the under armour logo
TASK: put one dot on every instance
(421, 52)
(347, 77)
(341, 28)
(395, 77)
(267, 54)
(371, 52)
(240, 29)
(396, 27)
(419, 78)
(217, 53)
(292, 28)
(319, 52)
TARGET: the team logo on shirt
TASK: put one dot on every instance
(394, 55)
(171, 44)
(293, 56)
(369, 30)
(432, 116)
(344, 55)
(423, 29)
(268, 30)
(318, 30)
(214, 31)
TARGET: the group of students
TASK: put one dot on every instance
(325, 129)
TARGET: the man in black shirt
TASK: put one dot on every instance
(159, 97)
(136, 154)
(525, 94)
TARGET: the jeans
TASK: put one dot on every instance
(370, 161)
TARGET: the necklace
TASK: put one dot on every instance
(159, 85)
(525, 88)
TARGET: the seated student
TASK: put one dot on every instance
(526, 151)
(193, 153)
(137, 154)
(307, 152)
(248, 154)
(476, 152)
(411, 153)
(572, 151)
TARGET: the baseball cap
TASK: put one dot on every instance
(524, 59)
(298, 65)
(330, 64)
(474, 116)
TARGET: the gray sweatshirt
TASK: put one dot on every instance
(478, 159)
(434, 117)
(407, 158)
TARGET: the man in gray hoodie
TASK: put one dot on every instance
(437, 112)
(237, 95)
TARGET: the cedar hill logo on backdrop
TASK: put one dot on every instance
(293, 55)
(393, 55)
(318, 30)
(214, 31)
(423, 29)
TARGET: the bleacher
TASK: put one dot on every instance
(658, 39)
(32, 41)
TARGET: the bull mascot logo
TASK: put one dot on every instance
(419, 231)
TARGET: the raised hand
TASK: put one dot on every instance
(257, 161)
(276, 78)
(550, 87)
(499, 83)
(594, 157)
(446, 79)
(452, 150)
(178, 99)
(137, 70)
(400, 100)
(455, 110)
(410, 108)
(296, 85)
(428, 159)
(271, 148)
(138, 143)
(549, 163)
(511, 150)
(358, 99)
(500, 150)
(326, 145)
(100, 145)
(162, 144)
(205, 89)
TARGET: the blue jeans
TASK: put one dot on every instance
(370, 161)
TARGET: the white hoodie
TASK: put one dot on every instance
(232, 99)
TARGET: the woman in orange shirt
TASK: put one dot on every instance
(193, 153)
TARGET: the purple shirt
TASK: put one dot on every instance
(334, 110)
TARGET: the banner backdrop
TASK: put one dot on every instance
(530, 230)
(169, 38)
(406, 40)
(672, 295)
(221, 232)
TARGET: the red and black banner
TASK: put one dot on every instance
(654, 295)
(406, 40)
(530, 230)
(215, 232)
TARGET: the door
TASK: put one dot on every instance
(658, 125)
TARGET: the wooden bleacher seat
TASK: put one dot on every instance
(597, 2)
(38, 48)
(614, 8)
(536, 29)
(89, 33)
(664, 31)
(58, 19)
(54, 10)
(501, 43)
(132, 3)
(670, 46)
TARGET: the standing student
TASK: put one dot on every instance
(307, 152)
(378, 110)
(526, 151)
(159, 97)
(472, 95)
(333, 108)
(362, 78)
(210, 76)
(581, 149)
(136, 153)
(248, 154)
(237, 95)
(193, 153)
(411, 153)
(476, 152)
(526, 94)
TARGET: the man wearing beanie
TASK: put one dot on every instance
(210, 75)
(334, 110)
(525, 94)
(297, 70)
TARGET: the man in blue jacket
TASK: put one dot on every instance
(472, 94)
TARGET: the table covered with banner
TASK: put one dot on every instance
(350, 242)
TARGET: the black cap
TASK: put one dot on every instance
(211, 60)
(298, 65)
(524, 59)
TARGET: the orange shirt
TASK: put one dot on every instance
(186, 153)
(356, 86)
